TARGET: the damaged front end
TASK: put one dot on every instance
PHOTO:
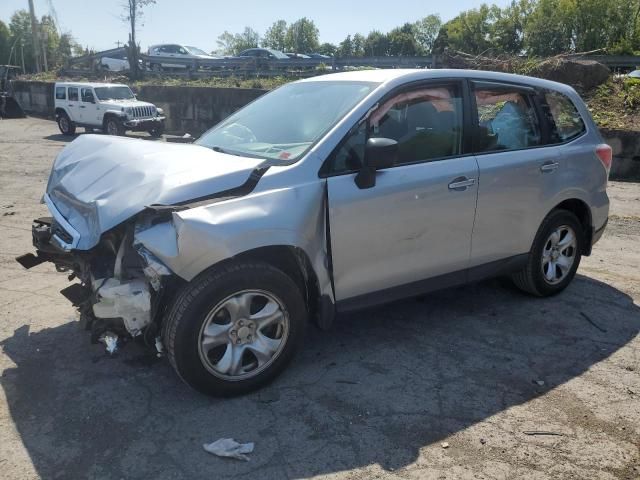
(121, 285)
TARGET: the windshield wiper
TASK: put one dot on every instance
(216, 148)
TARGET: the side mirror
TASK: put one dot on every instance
(378, 153)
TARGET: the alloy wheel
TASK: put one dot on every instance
(559, 254)
(243, 335)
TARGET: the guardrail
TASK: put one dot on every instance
(264, 66)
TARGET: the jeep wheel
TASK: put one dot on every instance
(66, 126)
(233, 329)
(555, 256)
(113, 126)
(157, 131)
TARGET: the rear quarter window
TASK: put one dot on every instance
(567, 123)
(61, 93)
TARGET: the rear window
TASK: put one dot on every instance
(567, 122)
(73, 94)
(61, 93)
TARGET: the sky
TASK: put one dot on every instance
(97, 24)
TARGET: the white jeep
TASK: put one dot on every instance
(109, 107)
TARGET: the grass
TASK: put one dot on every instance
(616, 104)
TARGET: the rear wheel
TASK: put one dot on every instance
(113, 126)
(66, 126)
(156, 67)
(555, 256)
(233, 329)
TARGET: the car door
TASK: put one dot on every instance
(169, 51)
(89, 107)
(518, 174)
(416, 222)
(73, 103)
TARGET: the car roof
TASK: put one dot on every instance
(400, 76)
(89, 84)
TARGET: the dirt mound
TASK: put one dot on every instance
(582, 74)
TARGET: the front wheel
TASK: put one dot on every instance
(233, 329)
(113, 126)
(555, 256)
(156, 132)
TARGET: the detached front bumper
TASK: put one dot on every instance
(144, 123)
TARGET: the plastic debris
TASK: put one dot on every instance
(444, 444)
(110, 341)
(540, 382)
(159, 347)
(228, 447)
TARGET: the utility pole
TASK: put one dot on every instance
(35, 36)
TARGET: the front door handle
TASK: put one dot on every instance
(461, 183)
(82, 106)
(549, 166)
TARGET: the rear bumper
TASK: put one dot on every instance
(144, 123)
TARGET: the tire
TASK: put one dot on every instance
(547, 272)
(156, 67)
(66, 126)
(157, 131)
(216, 294)
(113, 126)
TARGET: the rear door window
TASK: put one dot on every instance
(567, 123)
(506, 118)
(73, 94)
(61, 93)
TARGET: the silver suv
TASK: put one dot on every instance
(324, 196)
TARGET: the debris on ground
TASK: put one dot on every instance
(539, 382)
(228, 447)
(444, 444)
(159, 347)
(541, 432)
(110, 341)
(483, 441)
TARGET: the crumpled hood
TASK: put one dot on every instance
(98, 181)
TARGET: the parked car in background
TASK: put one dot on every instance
(296, 55)
(179, 52)
(115, 62)
(109, 107)
(266, 53)
(634, 74)
(318, 55)
(326, 195)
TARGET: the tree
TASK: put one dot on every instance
(327, 49)
(549, 28)
(302, 36)
(232, 44)
(376, 44)
(133, 10)
(508, 24)
(441, 42)
(358, 45)
(276, 35)
(20, 28)
(5, 43)
(345, 49)
(426, 32)
(470, 31)
(402, 41)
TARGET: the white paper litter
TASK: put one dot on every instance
(228, 447)
(110, 341)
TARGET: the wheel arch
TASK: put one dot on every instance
(291, 260)
(581, 210)
(59, 111)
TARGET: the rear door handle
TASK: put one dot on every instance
(549, 166)
(82, 106)
(461, 183)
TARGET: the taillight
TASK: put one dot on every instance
(605, 154)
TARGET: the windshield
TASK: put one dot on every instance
(283, 124)
(114, 93)
(196, 51)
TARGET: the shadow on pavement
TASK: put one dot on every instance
(376, 389)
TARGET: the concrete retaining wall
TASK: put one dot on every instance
(188, 109)
(626, 154)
